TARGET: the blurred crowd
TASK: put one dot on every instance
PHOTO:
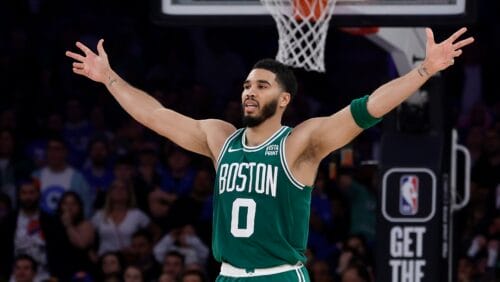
(88, 194)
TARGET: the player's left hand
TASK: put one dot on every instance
(91, 65)
(440, 56)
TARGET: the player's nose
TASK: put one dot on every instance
(249, 94)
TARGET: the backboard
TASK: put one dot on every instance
(346, 13)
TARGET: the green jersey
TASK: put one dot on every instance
(261, 213)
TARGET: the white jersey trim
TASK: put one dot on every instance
(233, 271)
(226, 144)
(269, 140)
(300, 275)
(288, 173)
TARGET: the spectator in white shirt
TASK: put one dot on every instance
(119, 219)
(185, 241)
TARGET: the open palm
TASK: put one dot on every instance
(92, 65)
(440, 56)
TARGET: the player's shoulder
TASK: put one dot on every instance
(305, 128)
(217, 132)
(218, 126)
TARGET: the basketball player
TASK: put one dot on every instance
(265, 171)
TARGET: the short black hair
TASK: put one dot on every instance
(98, 139)
(284, 75)
(34, 264)
(174, 253)
(29, 180)
(57, 138)
(144, 233)
(118, 255)
(196, 272)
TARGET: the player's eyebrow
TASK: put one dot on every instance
(264, 81)
(258, 81)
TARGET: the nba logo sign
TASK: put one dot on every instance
(408, 195)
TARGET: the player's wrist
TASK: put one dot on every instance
(111, 78)
(426, 70)
(422, 71)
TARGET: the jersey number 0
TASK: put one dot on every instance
(247, 231)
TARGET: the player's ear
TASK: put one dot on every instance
(284, 100)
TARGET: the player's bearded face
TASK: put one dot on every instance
(267, 111)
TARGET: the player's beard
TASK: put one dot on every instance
(267, 111)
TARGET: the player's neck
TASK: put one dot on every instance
(258, 134)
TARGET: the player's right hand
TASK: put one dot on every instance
(91, 65)
(440, 56)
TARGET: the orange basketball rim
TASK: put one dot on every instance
(312, 10)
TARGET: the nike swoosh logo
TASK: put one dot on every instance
(230, 150)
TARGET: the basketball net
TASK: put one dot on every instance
(302, 28)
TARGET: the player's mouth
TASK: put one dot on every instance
(250, 106)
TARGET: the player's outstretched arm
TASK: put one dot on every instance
(320, 136)
(439, 56)
(205, 137)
